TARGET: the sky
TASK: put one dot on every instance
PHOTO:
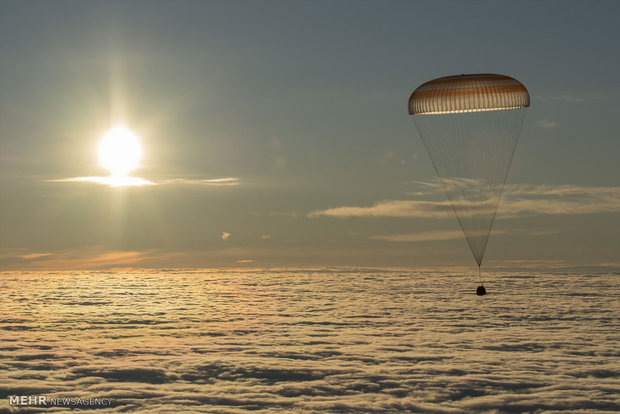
(276, 133)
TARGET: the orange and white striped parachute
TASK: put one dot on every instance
(470, 125)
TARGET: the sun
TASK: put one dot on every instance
(120, 151)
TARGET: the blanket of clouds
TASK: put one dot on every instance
(312, 340)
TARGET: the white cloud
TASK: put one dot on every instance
(227, 181)
(518, 200)
(390, 208)
(225, 235)
(543, 123)
(124, 181)
(111, 181)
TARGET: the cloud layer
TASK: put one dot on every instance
(358, 340)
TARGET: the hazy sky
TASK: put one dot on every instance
(294, 110)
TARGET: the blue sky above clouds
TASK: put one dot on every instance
(286, 111)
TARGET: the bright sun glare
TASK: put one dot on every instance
(120, 151)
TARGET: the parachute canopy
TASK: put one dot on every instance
(470, 125)
(468, 93)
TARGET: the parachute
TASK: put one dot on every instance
(470, 125)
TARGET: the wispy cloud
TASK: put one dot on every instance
(529, 264)
(546, 124)
(561, 98)
(111, 181)
(246, 261)
(544, 232)
(519, 200)
(391, 208)
(227, 181)
(117, 258)
(424, 236)
(33, 256)
(225, 235)
(122, 181)
(420, 237)
(86, 258)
